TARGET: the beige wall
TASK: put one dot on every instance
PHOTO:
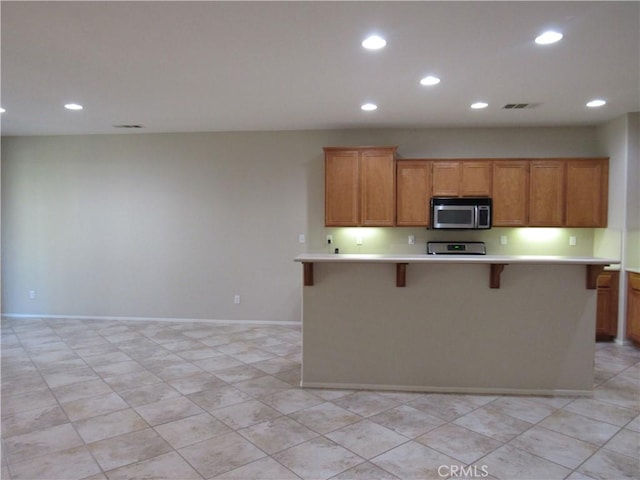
(632, 251)
(612, 142)
(173, 225)
(620, 140)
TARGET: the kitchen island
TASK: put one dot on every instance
(450, 323)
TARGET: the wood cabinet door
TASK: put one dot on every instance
(476, 179)
(546, 193)
(460, 178)
(633, 307)
(342, 193)
(377, 188)
(607, 306)
(587, 192)
(413, 185)
(510, 193)
(446, 179)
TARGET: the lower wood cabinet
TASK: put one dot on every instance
(633, 307)
(607, 309)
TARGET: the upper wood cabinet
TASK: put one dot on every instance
(377, 187)
(476, 179)
(510, 193)
(341, 191)
(569, 192)
(359, 186)
(366, 186)
(546, 193)
(587, 192)
(446, 179)
(461, 178)
(413, 192)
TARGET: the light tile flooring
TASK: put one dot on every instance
(131, 400)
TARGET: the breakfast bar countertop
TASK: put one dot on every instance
(453, 258)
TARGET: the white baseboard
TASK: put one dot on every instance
(152, 319)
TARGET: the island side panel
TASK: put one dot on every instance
(447, 330)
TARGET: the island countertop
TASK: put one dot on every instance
(594, 265)
(425, 258)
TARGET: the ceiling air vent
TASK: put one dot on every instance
(519, 106)
(128, 126)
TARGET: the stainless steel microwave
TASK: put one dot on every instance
(460, 213)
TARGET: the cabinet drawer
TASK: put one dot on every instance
(604, 281)
(634, 281)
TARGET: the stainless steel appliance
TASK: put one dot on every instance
(456, 248)
(461, 213)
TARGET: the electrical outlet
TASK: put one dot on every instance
(32, 294)
(503, 240)
(359, 240)
(411, 239)
(572, 241)
(301, 238)
(236, 299)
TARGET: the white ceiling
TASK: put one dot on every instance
(223, 66)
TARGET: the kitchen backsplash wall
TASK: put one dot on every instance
(519, 241)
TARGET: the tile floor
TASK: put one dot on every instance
(130, 400)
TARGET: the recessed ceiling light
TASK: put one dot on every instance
(479, 105)
(369, 107)
(374, 42)
(596, 103)
(548, 37)
(73, 106)
(430, 80)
